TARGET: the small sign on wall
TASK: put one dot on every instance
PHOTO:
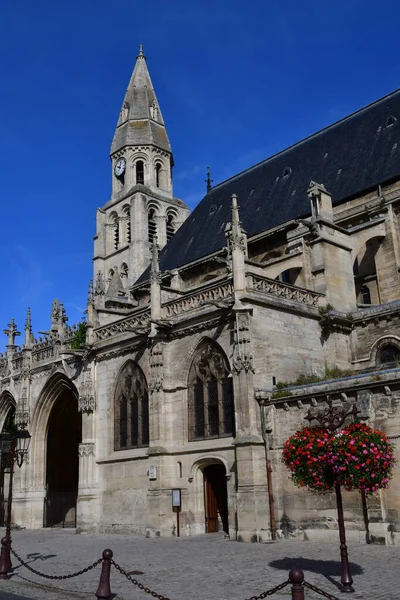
(152, 472)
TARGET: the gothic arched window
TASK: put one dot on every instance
(139, 171)
(131, 409)
(389, 354)
(211, 406)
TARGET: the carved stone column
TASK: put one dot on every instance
(252, 485)
(87, 406)
(156, 450)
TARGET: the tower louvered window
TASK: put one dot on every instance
(211, 405)
(152, 225)
(170, 227)
(131, 422)
(115, 226)
(140, 172)
(158, 169)
(128, 226)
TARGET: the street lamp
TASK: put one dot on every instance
(13, 448)
(331, 419)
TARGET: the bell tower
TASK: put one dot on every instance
(142, 204)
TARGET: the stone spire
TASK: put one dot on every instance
(28, 329)
(140, 121)
(237, 246)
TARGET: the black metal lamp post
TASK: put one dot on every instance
(13, 448)
(331, 419)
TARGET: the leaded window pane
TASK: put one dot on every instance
(198, 409)
(211, 406)
(131, 408)
(123, 423)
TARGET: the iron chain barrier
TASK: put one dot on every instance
(271, 591)
(58, 577)
(137, 583)
(296, 580)
(319, 591)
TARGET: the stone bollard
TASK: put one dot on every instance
(296, 578)
(104, 589)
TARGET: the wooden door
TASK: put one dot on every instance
(211, 503)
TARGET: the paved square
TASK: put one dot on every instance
(196, 568)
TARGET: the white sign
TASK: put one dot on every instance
(152, 472)
(176, 498)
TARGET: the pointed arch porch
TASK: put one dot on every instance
(56, 430)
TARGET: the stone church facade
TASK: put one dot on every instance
(209, 336)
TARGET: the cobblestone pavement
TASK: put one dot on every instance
(198, 568)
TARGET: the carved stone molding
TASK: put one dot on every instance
(86, 449)
(242, 355)
(116, 352)
(141, 320)
(197, 299)
(87, 396)
(22, 411)
(156, 368)
(277, 288)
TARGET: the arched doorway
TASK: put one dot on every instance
(215, 498)
(64, 434)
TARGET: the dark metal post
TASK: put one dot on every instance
(104, 589)
(178, 531)
(346, 579)
(5, 556)
(365, 515)
(296, 578)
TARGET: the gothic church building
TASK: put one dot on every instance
(209, 336)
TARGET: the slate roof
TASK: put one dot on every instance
(349, 157)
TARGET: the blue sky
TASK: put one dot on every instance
(237, 81)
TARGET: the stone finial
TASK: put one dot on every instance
(155, 263)
(237, 247)
(12, 333)
(141, 55)
(28, 328)
(321, 201)
(90, 299)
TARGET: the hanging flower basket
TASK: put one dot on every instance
(362, 458)
(306, 455)
(358, 457)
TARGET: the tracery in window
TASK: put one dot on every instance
(211, 406)
(131, 407)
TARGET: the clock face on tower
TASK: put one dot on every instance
(119, 167)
